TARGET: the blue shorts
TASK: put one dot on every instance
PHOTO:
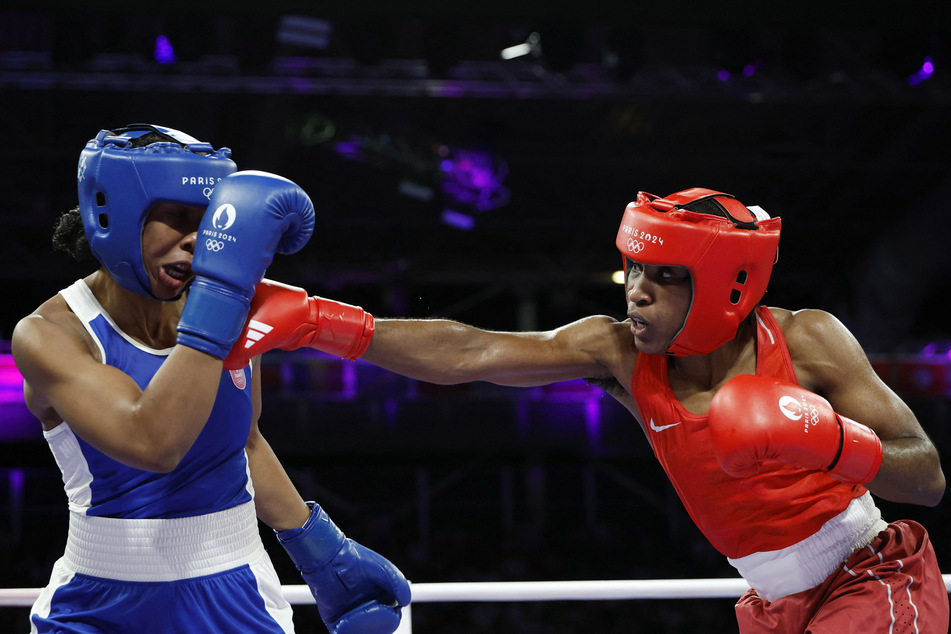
(228, 601)
(198, 574)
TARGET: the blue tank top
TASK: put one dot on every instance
(212, 476)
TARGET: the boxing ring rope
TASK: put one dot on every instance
(513, 591)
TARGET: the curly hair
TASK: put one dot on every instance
(69, 236)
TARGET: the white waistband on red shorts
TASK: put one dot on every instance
(778, 573)
(163, 549)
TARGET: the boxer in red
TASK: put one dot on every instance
(770, 423)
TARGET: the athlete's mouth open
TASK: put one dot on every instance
(638, 325)
(178, 272)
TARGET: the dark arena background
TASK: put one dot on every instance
(473, 163)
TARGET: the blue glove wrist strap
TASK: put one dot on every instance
(213, 317)
(315, 544)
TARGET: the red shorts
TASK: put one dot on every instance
(892, 585)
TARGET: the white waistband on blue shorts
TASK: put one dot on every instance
(163, 549)
(778, 573)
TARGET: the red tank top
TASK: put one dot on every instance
(775, 508)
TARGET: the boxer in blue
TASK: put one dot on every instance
(165, 470)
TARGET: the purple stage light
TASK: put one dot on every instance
(164, 52)
(349, 380)
(350, 149)
(458, 220)
(923, 74)
(940, 348)
(16, 478)
(16, 421)
(592, 419)
(11, 381)
(475, 178)
(723, 75)
(449, 89)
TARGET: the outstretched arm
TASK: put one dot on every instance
(831, 362)
(446, 352)
(437, 351)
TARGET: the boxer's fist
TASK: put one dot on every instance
(251, 215)
(357, 590)
(754, 419)
(285, 317)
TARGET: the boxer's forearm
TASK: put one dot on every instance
(448, 352)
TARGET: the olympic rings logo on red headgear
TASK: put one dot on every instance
(635, 246)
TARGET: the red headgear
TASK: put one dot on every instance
(730, 257)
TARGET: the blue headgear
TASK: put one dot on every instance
(120, 180)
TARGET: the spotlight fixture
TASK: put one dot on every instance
(531, 46)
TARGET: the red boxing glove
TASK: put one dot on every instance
(284, 317)
(756, 418)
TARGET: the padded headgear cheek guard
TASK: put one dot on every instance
(730, 258)
(119, 182)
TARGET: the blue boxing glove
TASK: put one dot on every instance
(357, 590)
(251, 215)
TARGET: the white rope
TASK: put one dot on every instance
(579, 590)
(517, 591)
(10, 597)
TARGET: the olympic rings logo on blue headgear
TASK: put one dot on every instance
(214, 245)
